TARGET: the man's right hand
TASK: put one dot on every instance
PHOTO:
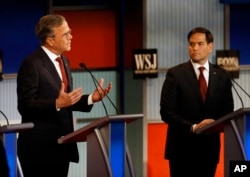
(67, 99)
(202, 124)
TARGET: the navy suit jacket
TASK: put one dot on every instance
(38, 86)
(181, 106)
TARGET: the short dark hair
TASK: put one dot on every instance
(44, 27)
(209, 35)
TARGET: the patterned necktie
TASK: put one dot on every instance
(64, 77)
(203, 84)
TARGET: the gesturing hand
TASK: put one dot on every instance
(101, 92)
(67, 99)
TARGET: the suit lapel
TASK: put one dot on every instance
(50, 71)
(212, 82)
(67, 70)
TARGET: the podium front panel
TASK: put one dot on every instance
(97, 157)
(106, 145)
(105, 133)
(118, 148)
(236, 140)
(9, 141)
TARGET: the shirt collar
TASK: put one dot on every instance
(196, 65)
(51, 55)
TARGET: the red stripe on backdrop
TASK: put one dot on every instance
(94, 38)
(156, 164)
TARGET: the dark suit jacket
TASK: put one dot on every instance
(181, 106)
(38, 85)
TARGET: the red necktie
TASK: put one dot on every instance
(64, 77)
(203, 84)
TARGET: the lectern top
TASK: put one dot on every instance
(218, 125)
(80, 135)
(15, 127)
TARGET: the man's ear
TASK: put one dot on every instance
(49, 41)
(211, 46)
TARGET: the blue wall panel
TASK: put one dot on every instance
(239, 31)
(17, 36)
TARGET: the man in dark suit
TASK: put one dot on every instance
(184, 110)
(46, 98)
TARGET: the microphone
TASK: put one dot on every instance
(5, 117)
(241, 90)
(105, 109)
(234, 82)
(82, 65)
(241, 87)
(242, 104)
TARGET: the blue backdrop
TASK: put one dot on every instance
(17, 36)
(18, 20)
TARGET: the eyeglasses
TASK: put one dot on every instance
(66, 35)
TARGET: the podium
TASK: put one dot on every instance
(8, 134)
(236, 128)
(107, 150)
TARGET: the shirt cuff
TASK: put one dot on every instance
(58, 109)
(90, 100)
(192, 128)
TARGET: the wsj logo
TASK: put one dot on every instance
(239, 168)
(145, 63)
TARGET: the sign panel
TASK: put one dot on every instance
(145, 63)
(229, 60)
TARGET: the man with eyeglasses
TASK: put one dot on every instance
(46, 97)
